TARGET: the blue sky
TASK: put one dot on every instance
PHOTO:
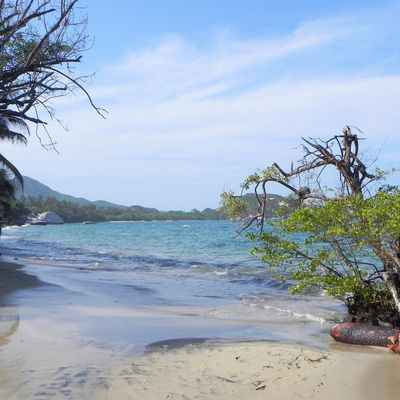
(202, 93)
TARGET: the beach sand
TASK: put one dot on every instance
(46, 354)
(258, 371)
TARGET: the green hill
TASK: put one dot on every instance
(273, 203)
(40, 198)
(34, 188)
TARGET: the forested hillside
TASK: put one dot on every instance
(38, 198)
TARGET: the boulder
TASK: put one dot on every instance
(50, 217)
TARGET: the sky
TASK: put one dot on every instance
(200, 94)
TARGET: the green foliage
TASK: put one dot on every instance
(72, 212)
(233, 206)
(329, 245)
(21, 45)
(68, 211)
(241, 207)
(270, 173)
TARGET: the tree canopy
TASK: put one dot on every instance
(40, 43)
(72, 212)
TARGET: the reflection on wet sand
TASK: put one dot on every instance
(11, 280)
(8, 326)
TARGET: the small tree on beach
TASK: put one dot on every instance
(344, 241)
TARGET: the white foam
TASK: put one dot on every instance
(220, 273)
(307, 316)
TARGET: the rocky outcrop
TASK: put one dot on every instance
(51, 218)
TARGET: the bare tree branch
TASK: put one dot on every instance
(40, 41)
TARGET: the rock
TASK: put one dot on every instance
(37, 222)
(50, 217)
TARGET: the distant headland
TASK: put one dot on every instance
(37, 198)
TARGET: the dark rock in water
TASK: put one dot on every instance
(38, 222)
(362, 334)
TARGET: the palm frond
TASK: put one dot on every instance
(9, 166)
(8, 133)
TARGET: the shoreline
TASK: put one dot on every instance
(40, 316)
(14, 278)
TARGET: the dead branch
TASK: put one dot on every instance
(340, 152)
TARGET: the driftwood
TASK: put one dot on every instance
(362, 334)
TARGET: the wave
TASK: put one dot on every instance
(150, 250)
(115, 260)
(299, 315)
(312, 307)
(268, 314)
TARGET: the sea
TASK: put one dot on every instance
(182, 264)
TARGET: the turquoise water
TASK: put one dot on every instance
(190, 263)
(204, 241)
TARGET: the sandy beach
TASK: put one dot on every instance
(258, 371)
(48, 350)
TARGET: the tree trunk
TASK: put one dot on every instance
(392, 281)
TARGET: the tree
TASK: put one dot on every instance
(40, 42)
(344, 240)
(9, 174)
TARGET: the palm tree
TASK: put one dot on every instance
(9, 173)
(8, 132)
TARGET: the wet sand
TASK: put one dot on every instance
(62, 337)
(12, 278)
